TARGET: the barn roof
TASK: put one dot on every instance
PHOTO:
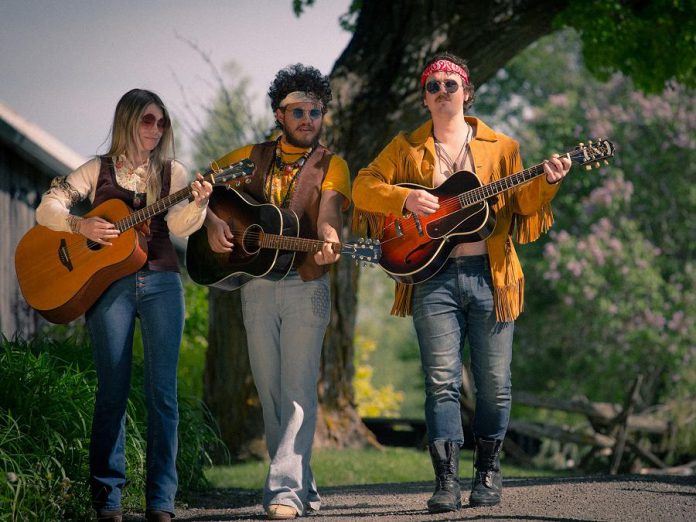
(36, 145)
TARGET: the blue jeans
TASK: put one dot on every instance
(157, 299)
(455, 305)
(285, 322)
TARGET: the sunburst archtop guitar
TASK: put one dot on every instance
(415, 248)
(62, 274)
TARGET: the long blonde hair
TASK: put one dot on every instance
(124, 134)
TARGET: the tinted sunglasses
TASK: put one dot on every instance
(149, 120)
(433, 86)
(299, 114)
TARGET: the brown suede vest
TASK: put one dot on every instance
(161, 255)
(305, 199)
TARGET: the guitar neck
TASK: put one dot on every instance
(492, 189)
(159, 206)
(295, 244)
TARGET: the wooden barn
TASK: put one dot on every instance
(29, 159)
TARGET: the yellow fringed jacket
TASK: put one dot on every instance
(410, 158)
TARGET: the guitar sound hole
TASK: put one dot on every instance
(93, 245)
(252, 239)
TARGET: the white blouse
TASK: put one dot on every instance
(183, 219)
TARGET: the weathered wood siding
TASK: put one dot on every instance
(21, 185)
(29, 159)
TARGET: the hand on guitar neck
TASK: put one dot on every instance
(556, 167)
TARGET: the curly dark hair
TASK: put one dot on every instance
(461, 63)
(299, 77)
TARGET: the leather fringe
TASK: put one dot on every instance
(367, 224)
(529, 228)
(403, 300)
(509, 301)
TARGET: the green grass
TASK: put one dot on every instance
(357, 467)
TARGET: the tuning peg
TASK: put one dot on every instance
(247, 181)
(588, 167)
(606, 162)
(597, 165)
(581, 144)
(589, 142)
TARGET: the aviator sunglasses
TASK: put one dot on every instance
(149, 120)
(298, 113)
(433, 86)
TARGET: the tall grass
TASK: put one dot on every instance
(46, 403)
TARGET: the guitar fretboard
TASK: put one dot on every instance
(482, 193)
(159, 206)
(297, 244)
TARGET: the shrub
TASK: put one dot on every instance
(46, 402)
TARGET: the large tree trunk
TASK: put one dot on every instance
(228, 388)
(376, 95)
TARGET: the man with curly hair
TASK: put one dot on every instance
(479, 291)
(285, 320)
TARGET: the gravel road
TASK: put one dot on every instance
(591, 498)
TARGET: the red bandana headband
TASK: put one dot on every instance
(445, 66)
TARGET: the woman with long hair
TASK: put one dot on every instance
(137, 169)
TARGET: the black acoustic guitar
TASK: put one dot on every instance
(415, 248)
(266, 240)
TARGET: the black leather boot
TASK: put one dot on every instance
(487, 487)
(448, 496)
(109, 516)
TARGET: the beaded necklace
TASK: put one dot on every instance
(280, 168)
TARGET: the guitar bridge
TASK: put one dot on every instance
(419, 225)
(64, 256)
(398, 228)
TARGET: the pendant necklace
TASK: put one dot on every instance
(281, 168)
(447, 165)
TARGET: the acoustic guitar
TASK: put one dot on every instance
(266, 241)
(415, 248)
(62, 274)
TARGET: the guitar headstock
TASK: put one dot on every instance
(592, 153)
(365, 251)
(238, 173)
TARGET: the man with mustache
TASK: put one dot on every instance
(285, 320)
(478, 293)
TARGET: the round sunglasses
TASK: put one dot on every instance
(433, 86)
(149, 120)
(299, 114)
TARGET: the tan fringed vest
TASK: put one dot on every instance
(304, 201)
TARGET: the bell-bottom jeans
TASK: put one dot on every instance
(285, 322)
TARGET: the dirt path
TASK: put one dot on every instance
(622, 498)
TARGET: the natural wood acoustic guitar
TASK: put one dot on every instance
(62, 274)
